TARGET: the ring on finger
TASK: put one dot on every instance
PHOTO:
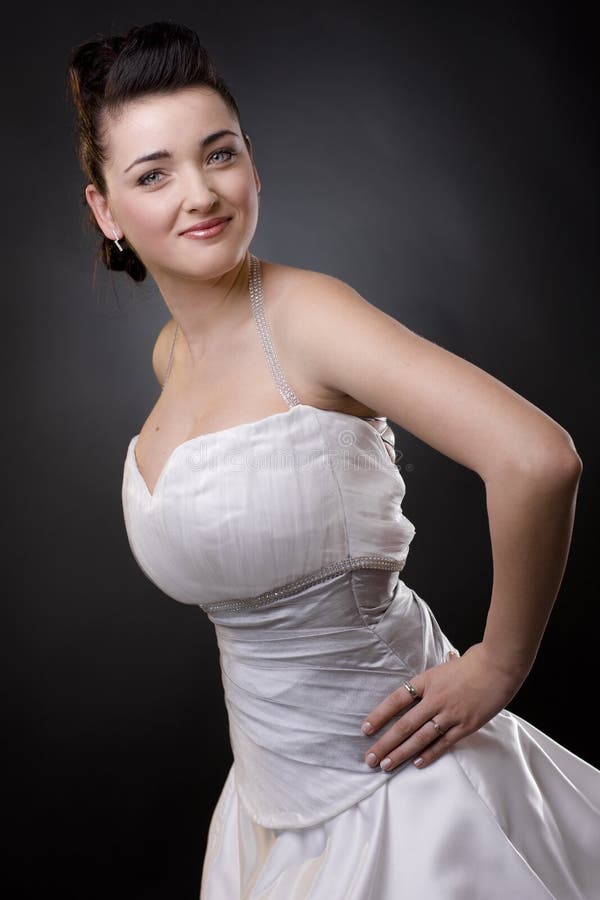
(438, 729)
(411, 690)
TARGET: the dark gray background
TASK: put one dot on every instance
(440, 158)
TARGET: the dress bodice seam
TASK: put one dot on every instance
(325, 444)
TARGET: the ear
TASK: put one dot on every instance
(99, 206)
(249, 145)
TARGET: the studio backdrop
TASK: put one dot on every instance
(440, 158)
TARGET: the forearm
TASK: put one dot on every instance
(531, 517)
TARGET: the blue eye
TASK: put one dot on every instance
(231, 153)
(146, 183)
(143, 180)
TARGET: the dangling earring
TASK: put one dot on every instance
(117, 240)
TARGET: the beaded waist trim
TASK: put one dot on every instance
(299, 584)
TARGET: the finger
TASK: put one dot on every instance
(416, 721)
(438, 748)
(419, 744)
(395, 702)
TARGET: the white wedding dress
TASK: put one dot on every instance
(289, 534)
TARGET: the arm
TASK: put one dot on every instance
(530, 513)
(531, 472)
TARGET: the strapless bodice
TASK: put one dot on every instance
(239, 512)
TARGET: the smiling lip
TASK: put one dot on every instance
(207, 228)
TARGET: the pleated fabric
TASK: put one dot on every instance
(508, 813)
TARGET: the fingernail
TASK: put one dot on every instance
(367, 728)
(371, 759)
(386, 762)
(419, 761)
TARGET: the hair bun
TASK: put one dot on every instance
(125, 260)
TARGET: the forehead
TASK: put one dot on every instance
(146, 123)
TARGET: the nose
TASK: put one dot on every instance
(197, 190)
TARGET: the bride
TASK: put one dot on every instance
(371, 758)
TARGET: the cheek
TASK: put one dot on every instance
(242, 188)
(147, 214)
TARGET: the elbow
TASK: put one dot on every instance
(571, 464)
(559, 459)
(565, 459)
(555, 459)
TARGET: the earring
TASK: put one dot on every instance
(117, 240)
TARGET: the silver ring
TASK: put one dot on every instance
(438, 730)
(411, 690)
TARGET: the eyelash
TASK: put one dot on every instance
(143, 183)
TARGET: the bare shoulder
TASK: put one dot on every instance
(292, 295)
(314, 315)
(162, 349)
(351, 348)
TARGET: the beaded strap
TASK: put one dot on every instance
(257, 301)
(294, 587)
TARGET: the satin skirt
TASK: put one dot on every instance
(508, 812)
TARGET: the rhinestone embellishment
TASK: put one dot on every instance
(256, 300)
(294, 587)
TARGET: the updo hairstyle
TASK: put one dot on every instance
(103, 75)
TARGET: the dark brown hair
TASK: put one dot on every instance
(103, 75)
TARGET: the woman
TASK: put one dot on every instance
(371, 759)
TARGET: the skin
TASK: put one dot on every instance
(202, 290)
(339, 352)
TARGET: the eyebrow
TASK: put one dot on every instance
(164, 154)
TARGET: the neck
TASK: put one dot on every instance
(206, 310)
